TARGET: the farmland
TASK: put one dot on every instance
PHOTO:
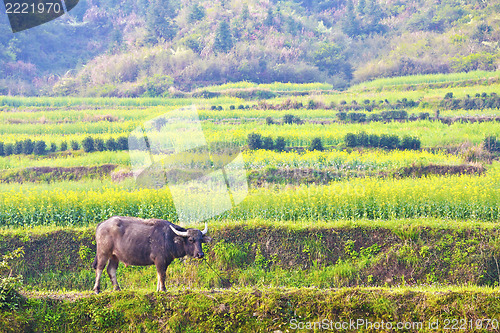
(321, 226)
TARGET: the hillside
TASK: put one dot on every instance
(142, 48)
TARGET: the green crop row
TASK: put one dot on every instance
(451, 197)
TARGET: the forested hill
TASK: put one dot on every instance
(143, 47)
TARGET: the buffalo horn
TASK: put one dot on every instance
(179, 233)
(205, 230)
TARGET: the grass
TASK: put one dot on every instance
(276, 86)
(427, 78)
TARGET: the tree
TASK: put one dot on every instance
(360, 8)
(223, 39)
(64, 146)
(196, 13)
(159, 20)
(329, 58)
(245, 13)
(350, 24)
(269, 20)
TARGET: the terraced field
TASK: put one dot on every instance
(328, 231)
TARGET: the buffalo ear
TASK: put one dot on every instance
(178, 240)
(206, 239)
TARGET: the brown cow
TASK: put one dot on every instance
(135, 241)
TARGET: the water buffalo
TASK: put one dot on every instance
(135, 241)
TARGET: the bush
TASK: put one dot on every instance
(350, 140)
(64, 146)
(122, 143)
(53, 147)
(373, 140)
(2, 151)
(74, 145)
(342, 116)
(291, 119)
(267, 143)
(356, 117)
(254, 141)
(28, 146)
(8, 149)
(18, 148)
(316, 144)
(10, 298)
(280, 144)
(269, 121)
(491, 144)
(110, 144)
(99, 145)
(40, 147)
(88, 144)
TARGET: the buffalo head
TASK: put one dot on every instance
(192, 239)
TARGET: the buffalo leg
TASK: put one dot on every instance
(161, 272)
(112, 267)
(101, 263)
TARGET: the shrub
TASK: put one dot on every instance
(267, 143)
(74, 145)
(254, 141)
(356, 117)
(28, 146)
(231, 107)
(373, 140)
(342, 116)
(8, 149)
(64, 146)
(491, 144)
(53, 147)
(2, 151)
(423, 115)
(88, 144)
(122, 143)
(311, 104)
(406, 143)
(350, 140)
(10, 298)
(110, 144)
(316, 144)
(280, 144)
(291, 119)
(40, 147)
(269, 121)
(362, 139)
(18, 148)
(99, 145)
